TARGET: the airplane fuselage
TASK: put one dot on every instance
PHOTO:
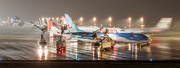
(118, 37)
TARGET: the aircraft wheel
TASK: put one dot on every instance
(142, 44)
(105, 49)
(138, 44)
(134, 43)
(109, 49)
(147, 44)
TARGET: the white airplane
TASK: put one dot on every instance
(118, 37)
(16, 22)
(163, 25)
(75, 32)
(88, 29)
(19, 22)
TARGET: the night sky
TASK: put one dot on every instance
(119, 10)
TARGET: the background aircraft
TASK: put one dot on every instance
(16, 22)
(163, 25)
(118, 37)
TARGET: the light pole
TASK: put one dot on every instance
(42, 20)
(57, 18)
(94, 21)
(81, 20)
(110, 21)
(142, 20)
(129, 22)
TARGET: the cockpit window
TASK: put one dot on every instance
(145, 37)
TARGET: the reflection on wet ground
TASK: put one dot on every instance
(18, 43)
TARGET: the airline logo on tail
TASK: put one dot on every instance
(50, 25)
(18, 20)
(71, 25)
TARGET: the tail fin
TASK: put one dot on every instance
(50, 25)
(164, 23)
(54, 24)
(11, 21)
(40, 22)
(45, 21)
(8, 19)
(18, 20)
(63, 20)
(71, 25)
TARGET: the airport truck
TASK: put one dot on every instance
(60, 44)
(105, 44)
(42, 42)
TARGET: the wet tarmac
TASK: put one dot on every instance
(17, 43)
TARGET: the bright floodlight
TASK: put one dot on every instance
(142, 19)
(57, 18)
(42, 18)
(94, 18)
(129, 18)
(53, 18)
(110, 18)
(81, 18)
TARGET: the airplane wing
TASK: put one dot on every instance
(85, 40)
(36, 25)
(71, 34)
